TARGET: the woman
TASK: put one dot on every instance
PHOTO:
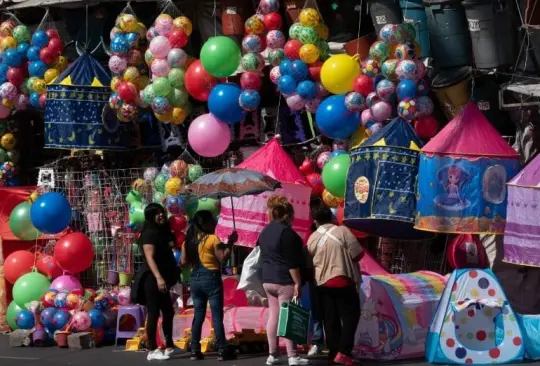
(282, 260)
(157, 275)
(205, 253)
(336, 253)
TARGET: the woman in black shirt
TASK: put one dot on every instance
(157, 275)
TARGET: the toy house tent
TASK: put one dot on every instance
(380, 197)
(462, 178)
(396, 314)
(74, 110)
(522, 230)
(474, 322)
(250, 212)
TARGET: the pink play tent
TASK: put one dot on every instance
(250, 211)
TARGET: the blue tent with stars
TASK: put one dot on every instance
(75, 117)
(380, 197)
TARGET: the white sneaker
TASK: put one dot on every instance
(172, 351)
(315, 350)
(293, 361)
(271, 360)
(156, 355)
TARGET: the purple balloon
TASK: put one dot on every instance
(66, 283)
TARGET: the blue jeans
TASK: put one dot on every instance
(207, 286)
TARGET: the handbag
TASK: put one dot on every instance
(250, 279)
(294, 322)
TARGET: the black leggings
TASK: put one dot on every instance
(157, 302)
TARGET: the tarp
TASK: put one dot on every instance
(250, 212)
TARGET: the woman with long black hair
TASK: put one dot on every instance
(157, 275)
(205, 253)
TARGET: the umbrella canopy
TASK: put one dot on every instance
(232, 182)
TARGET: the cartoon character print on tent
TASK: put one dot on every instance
(474, 323)
(380, 197)
(462, 177)
(396, 314)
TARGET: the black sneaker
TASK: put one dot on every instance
(196, 356)
(226, 354)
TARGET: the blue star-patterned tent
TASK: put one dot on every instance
(380, 198)
(74, 117)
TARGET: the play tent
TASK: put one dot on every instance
(522, 231)
(380, 198)
(250, 212)
(396, 314)
(462, 177)
(474, 322)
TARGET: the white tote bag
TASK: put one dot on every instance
(250, 279)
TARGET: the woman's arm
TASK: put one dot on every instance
(149, 254)
(183, 256)
(222, 251)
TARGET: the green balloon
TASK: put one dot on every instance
(294, 31)
(176, 77)
(136, 214)
(21, 34)
(158, 197)
(334, 175)
(3, 155)
(195, 172)
(20, 223)
(30, 287)
(161, 87)
(133, 196)
(307, 35)
(159, 182)
(209, 204)
(178, 97)
(30, 82)
(148, 94)
(220, 56)
(12, 311)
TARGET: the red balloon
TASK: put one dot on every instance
(292, 48)
(43, 100)
(340, 215)
(250, 80)
(52, 33)
(46, 265)
(127, 91)
(56, 45)
(47, 55)
(363, 85)
(272, 21)
(177, 223)
(15, 75)
(315, 181)
(180, 239)
(426, 127)
(74, 252)
(315, 71)
(198, 81)
(17, 264)
(178, 38)
(307, 167)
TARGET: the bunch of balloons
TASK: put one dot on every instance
(130, 75)
(8, 157)
(167, 94)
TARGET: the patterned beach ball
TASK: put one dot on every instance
(249, 100)
(173, 186)
(252, 62)
(424, 106)
(407, 109)
(160, 105)
(275, 56)
(379, 51)
(275, 74)
(275, 39)
(370, 68)
(388, 69)
(355, 102)
(386, 90)
(60, 300)
(175, 204)
(252, 43)
(254, 25)
(307, 35)
(371, 99)
(381, 111)
(405, 51)
(115, 102)
(295, 30)
(407, 70)
(268, 6)
(387, 33)
(309, 17)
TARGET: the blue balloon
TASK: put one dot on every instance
(61, 319)
(23, 49)
(97, 318)
(286, 84)
(285, 67)
(223, 102)
(37, 68)
(12, 58)
(406, 89)
(337, 152)
(40, 39)
(299, 70)
(34, 100)
(334, 120)
(132, 39)
(119, 44)
(250, 100)
(51, 213)
(25, 319)
(3, 70)
(377, 79)
(33, 53)
(307, 89)
(177, 254)
(47, 318)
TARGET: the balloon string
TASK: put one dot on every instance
(214, 15)
(359, 26)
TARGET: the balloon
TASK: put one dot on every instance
(314, 180)
(199, 82)
(51, 75)
(30, 287)
(159, 47)
(334, 175)
(426, 127)
(15, 75)
(299, 70)
(176, 77)
(307, 89)
(252, 62)
(184, 23)
(249, 100)
(275, 39)
(177, 57)
(37, 68)
(178, 38)
(47, 318)
(268, 6)
(25, 319)
(363, 85)
(252, 43)
(47, 266)
(11, 313)
(407, 109)
(292, 49)
(295, 102)
(424, 105)
(161, 87)
(338, 73)
(223, 103)
(7, 43)
(177, 223)
(47, 55)
(117, 64)
(56, 46)
(286, 84)
(381, 110)
(406, 89)
(220, 56)
(40, 39)
(355, 102)
(334, 120)
(309, 53)
(66, 283)
(74, 252)
(96, 318)
(272, 21)
(61, 319)
(208, 136)
(250, 80)
(12, 58)
(17, 264)
(275, 74)
(20, 222)
(51, 213)
(21, 33)
(81, 321)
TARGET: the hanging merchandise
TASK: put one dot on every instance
(8, 157)
(167, 94)
(45, 60)
(130, 74)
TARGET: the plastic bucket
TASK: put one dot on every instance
(360, 46)
(414, 13)
(452, 89)
(62, 339)
(492, 34)
(448, 32)
(384, 12)
(125, 279)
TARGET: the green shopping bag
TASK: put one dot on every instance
(294, 322)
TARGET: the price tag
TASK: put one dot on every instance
(474, 25)
(380, 19)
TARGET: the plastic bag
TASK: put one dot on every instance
(250, 279)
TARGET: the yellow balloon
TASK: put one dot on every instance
(183, 23)
(330, 200)
(7, 103)
(8, 42)
(128, 23)
(141, 29)
(178, 116)
(322, 31)
(115, 81)
(61, 63)
(132, 74)
(164, 117)
(143, 81)
(51, 75)
(8, 141)
(173, 186)
(309, 17)
(309, 53)
(39, 86)
(338, 73)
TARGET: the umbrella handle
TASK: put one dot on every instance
(233, 249)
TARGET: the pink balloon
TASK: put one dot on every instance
(381, 111)
(117, 64)
(21, 102)
(160, 67)
(296, 102)
(160, 47)
(124, 296)
(66, 283)
(81, 321)
(164, 26)
(366, 116)
(208, 136)
(4, 111)
(312, 105)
